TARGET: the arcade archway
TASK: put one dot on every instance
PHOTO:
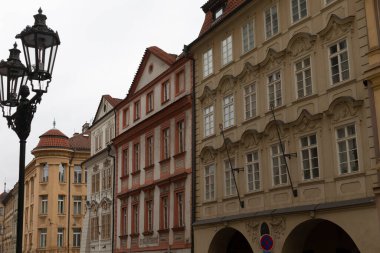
(319, 236)
(229, 240)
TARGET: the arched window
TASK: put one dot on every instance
(264, 229)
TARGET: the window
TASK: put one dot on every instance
(180, 209)
(208, 119)
(218, 13)
(136, 156)
(124, 220)
(43, 237)
(149, 102)
(303, 78)
(274, 89)
(227, 50)
(347, 149)
(61, 174)
(253, 171)
(95, 183)
(125, 162)
(309, 153)
(207, 63)
(106, 226)
(108, 178)
(149, 215)
(94, 227)
(210, 182)
(228, 111)
(98, 141)
(85, 176)
(180, 136)
(135, 219)
(60, 238)
(77, 174)
(230, 188)
(166, 143)
(77, 205)
(137, 110)
(150, 150)
(180, 82)
(250, 100)
(45, 173)
(1, 211)
(61, 202)
(280, 176)
(44, 204)
(247, 37)
(76, 237)
(125, 117)
(271, 21)
(109, 133)
(165, 212)
(299, 9)
(165, 91)
(339, 62)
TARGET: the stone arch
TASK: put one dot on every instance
(229, 240)
(319, 235)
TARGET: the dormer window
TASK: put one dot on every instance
(218, 13)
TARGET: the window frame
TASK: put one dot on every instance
(250, 37)
(226, 47)
(300, 17)
(271, 33)
(209, 187)
(254, 162)
(308, 148)
(274, 82)
(230, 106)
(210, 115)
(61, 204)
(150, 101)
(207, 63)
(304, 78)
(136, 110)
(280, 158)
(338, 54)
(252, 111)
(165, 91)
(346, 138)
(229, 178)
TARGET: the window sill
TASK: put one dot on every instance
(165, 160)
(123, 236)
(136, 172)
(340, 84)
(179, 155)
(208, 137)
(177, 229)
(43, 215)
(163, 231)
(244, 54)
(225, 66)
(273, 37)
(149, 167)
(254, 192)
(179, 92)
(135, 235)
(44, 182)
(306, 98)
(349, 175)
(276, 109)
(165, 102)
(313, 181)
(77, 215)
(280, 187)
(230, 197)
(246, 121)
(206, 202)
(299, 22)
(61, 214)
(227, 129)
(124, 177)
(147, 233)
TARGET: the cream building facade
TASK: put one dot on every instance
(55, 193)
(307, 60)
(10, 220)
(98, 221)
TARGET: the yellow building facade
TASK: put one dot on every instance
(286, 145)
(55, 193)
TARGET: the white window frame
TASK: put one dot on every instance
(228, 111)
(150, 144)
(149, 206)
(166, 211)
(229, 184)
(76, 237)
(61, 173)
(338, 55)
(61, 204)
(306, 154)
(253, 171)
(277, 157)
(218, 13)
(250, 101)
(248, 36)
(181, 208)
(296, 10)
(77, 174)
(208, 120)
(209, 175)
(44, 204)
(303, 73)
(60, 237)
(271, 26)
(274, 84)
(207, 63)
(45, 173)
(226, 48)
(166, 142)
(181, 136)
(346, 141)
(166, 91)
(43, 238)
(77, 205)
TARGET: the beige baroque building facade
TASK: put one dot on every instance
(307, 60)
(10, 220)
(55, 193)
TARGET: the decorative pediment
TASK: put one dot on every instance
(94, 206)
(208, 96)
(271, 129)
(253, 229)
(229, 144)
(337, 27)
(278, 226)
(208, 154)
(226, 84)
(273, 59)
(250, 138)
(248, 74)
(343, 107)
(107, 163)
(105, 203)
(300, 42)
(306, 121)
(96, 168)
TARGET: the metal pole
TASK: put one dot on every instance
(20, 203)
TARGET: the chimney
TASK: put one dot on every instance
(85, 127)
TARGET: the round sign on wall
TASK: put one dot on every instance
(266, 242)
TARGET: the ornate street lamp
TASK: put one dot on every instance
(40, 45)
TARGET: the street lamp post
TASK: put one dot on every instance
(40, 44)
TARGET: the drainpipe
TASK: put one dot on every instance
(109, 148)
(68, 202)
(193, 156)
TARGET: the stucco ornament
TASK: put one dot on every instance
(208, 96)
(107, 163)
(271, 129)
(273, 59)
(344, 107)
(299, 43)
(208, 154)
(253, 228)
(226, 84)
(337, 27)
(278, 226)
(248, 74)
(250, 138)
(306, 121)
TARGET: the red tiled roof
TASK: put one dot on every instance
(111, 100)
(166, 57)
(80, 141)
(209, 22)
(53, 139)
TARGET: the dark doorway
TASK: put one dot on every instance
(229, 240)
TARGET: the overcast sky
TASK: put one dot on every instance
(102, 43)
